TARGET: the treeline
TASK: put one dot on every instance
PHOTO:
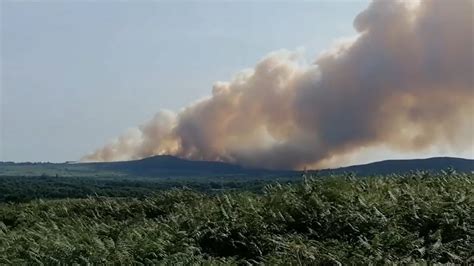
(24, 189)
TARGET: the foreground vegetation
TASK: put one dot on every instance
(418, 217)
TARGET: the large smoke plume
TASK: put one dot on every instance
(405, 81)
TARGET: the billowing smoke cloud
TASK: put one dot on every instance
(405, 82)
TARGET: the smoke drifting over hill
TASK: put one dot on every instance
(406, 81)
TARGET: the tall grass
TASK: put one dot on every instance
(418, 217)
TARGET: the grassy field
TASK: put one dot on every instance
(412, 218)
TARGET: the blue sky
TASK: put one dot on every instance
(76, 74)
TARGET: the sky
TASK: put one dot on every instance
(73, 74)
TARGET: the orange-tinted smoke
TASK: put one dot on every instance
(406, 82)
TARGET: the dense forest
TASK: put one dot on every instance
(413, 218)
(27, 188)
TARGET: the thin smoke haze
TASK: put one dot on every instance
(405, 81)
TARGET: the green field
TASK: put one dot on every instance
(417, 217)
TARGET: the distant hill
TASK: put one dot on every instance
(403, 166)
(170, 166)
(165, 165)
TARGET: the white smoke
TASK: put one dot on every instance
(405, 82)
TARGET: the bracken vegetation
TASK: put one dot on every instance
(415, 218)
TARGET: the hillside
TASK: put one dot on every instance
(403, 166)
(170, 166)
(165, 165)
(156, 166)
